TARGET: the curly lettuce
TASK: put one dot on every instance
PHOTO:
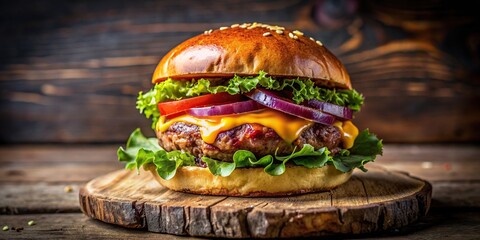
(302, 90)
(141, 151)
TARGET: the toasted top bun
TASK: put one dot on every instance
(247, 49)
(254, 182)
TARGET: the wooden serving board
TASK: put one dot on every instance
(373, 201)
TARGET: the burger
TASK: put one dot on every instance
(250, 110)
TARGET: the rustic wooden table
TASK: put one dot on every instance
(33, 179)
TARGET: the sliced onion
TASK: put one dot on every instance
(224, 109)
(338, 111)
(270, 100)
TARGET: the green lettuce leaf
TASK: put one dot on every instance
(133, 158)
(311, 158)
(302, 90)
(141, 151)
(219, 168)
(244, 158)
(365, 148)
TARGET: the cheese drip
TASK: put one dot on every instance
(288, 127)
(349, 133)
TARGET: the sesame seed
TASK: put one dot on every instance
(311, 38)
(210, 31)
(298, 33)
(295, 37)
(206, 32)
(235, 25)
(290, 35)
(243, 26)
(68, 189)
(279, 31)
(319, 43)
(223, 28)
(267, 34)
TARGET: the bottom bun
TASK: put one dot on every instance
(254, 182)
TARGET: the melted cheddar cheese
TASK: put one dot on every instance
(349, 133)
(286, 126)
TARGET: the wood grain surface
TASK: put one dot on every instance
(368, 202)
(438, 224)
(70, 71)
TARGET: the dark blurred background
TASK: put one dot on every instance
(70, 70)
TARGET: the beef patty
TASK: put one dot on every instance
(258, 139)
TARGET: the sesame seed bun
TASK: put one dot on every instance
(247, 49)
(254, 182)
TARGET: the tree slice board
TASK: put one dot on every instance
(373, 201)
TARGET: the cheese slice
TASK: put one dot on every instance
(349, 132)
(288, 127)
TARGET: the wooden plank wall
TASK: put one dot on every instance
(70, 70)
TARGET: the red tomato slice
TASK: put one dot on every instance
(172, 107)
